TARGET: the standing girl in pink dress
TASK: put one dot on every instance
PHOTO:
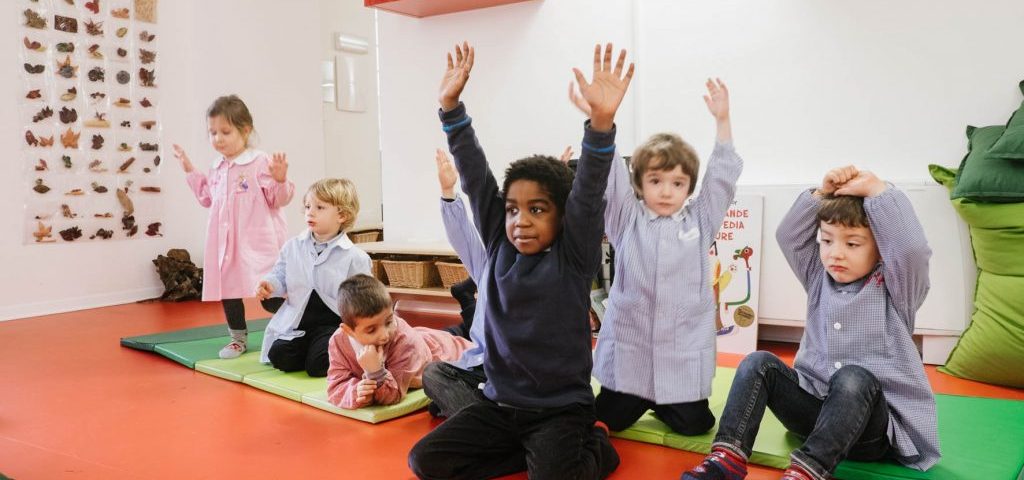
(244, 190)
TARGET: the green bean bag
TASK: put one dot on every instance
(991, 349)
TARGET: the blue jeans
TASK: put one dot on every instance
(851, 422)
(487, 440)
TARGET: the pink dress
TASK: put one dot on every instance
(405, 357)
(246, 228)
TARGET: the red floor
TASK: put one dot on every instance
(77, 405)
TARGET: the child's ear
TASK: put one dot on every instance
(347, 329)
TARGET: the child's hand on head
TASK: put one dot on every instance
(566, 155)
(279, 167)
(717, 99)
(864, 184)
(364, 392)
(456, 76)
(446, 174)
(182, 157)
(578, 100)
(263, 290)
(371, 358)
(836, 178)
(606, 89)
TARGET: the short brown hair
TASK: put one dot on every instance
(341, 193)
(845, 210)
(665, 151)
(361, 296)
(233, 110)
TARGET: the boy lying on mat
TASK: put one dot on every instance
(375, 357)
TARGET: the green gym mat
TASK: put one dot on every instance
(979, 438)
(413, 401)
(197, 348)
(149, 342)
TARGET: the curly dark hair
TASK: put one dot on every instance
(553, 176)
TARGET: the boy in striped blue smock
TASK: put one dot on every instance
(657, 345)
(857, 389)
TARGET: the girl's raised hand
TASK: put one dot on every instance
(456, 76)
(607, 87)
(279, 167)
(182, 157)
(446, 174)
(717, 99)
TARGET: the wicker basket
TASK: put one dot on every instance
(451, 273)
(411, 274)
(377, 270)
(365, 236)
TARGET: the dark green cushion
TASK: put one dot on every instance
(986, 178)
(1010, 144)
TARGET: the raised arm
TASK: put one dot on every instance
(901, 242)
(723, 170)
(477, 180)
(458, 227)
(274, 182)
(619, 193)
(604, 94)
(197, 181)
(797, 237)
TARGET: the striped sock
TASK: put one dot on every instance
(796, 472)
(721, 464)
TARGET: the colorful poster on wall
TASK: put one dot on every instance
(735, 273)
(89, 116)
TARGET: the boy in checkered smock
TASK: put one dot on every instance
(858, 389)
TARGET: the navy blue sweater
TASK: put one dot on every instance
(537, 329)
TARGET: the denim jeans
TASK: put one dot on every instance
(620, 410)
(851, 422)
(451, 388)
(487, 440)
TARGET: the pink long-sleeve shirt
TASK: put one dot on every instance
(406, 355)
(246, 228)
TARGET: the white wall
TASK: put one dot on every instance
(885, 85)
(254, 48)
(352, 139)
(888, 86)
(516, 93)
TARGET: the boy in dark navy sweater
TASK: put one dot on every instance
(542, 233)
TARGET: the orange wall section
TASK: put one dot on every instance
(427, 8)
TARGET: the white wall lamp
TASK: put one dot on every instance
(348, 71)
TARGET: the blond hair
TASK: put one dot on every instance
(664, 151)
(361, 296)
(341, 193)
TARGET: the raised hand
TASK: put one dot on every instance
(566, 155)
(606, 89)
(364, 392)
(717, 99)
(864, 184)
(446, 174)
(456, 76)
(371, 358)
(263, 290)
(182, 157)
(279, 167)
(578, 100)
(836, 177)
